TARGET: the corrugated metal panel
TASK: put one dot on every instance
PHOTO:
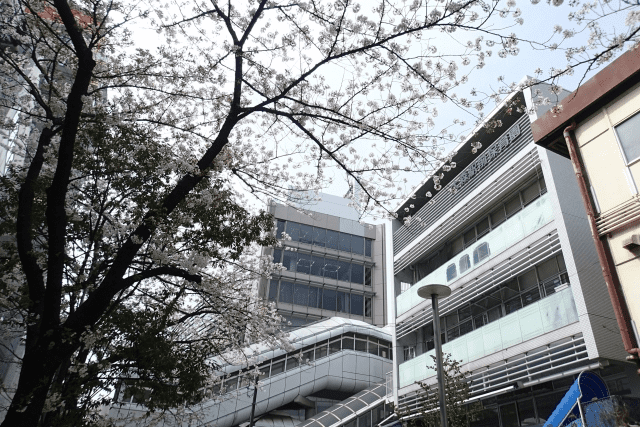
(445, 200)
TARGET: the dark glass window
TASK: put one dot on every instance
(273, 290)
(347, 343)
(301, 294)
(277, 255)
(304, 264)
(356, 304)
(367, 276)
(513, 305)
(292, 362)
(457, 245)
(333, 237)
(306, 234)
(317, 265)
(547, 269)
(357, 244)
(319, 236)
(357, 273)
(526, 413)
(289, 260)
(329, 299)
(280, 229)
(464, 263)
(365, 419)
(629, 137)
(331, 268)
(469, 237)
(277, 367)
(530, 193)
(509, 415)
(543, 185)
(334, 346)
(373, 348)
(482, 227)
(367, 307)
(527, 280)
(286, 292)
(315, 297)
(367, 247)
(321, 350)
(513, 205)
(361, 345)
(530, 296)
(345, 242)
(481, 252)
(451, 272)
(498, 216)
(343, 302)
(466, 327)
(293, 230)
(344, 271)
(307, 355)
(231, 384)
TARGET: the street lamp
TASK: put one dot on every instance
(436, 292)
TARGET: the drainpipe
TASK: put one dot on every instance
(604, 254)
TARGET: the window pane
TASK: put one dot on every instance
(527, 280)
(465, 263)
(342, 302)
(451, 272)
(321, 350)
(481, 253)
(347, 343)
(482, 227)
(314, 297)
(469, 237)
(277, 368)
(543, 185)
(361, 345)
(280, 228)
(330, 268)
(530, 296)
(289, 260)
(497, 216)
(345, 242)
(365, 420)
(293, 230)
(333, 237)
(561, 265)
(277, 255)
(526, 413)
(319, 236)
(367, 307)
(629, 136)
(301, 294)
(530, 193)
(547, 269)
(286, 292)
(457, 245)
(367, 247)
(367, 276)
(292, 363)
(304, 263)
(344, 271)
(329, 299)
(273, 290)
(306, 234)
(513, 305)
(357, 273)
(466, 327)
(307, 356)
(317, 265)
(357, 244)
(509, 415)
(334, 346)
(513, 205)
(373, 348)
(356, 304)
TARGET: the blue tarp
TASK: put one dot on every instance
(587, 387)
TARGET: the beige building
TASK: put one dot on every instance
(598, 128)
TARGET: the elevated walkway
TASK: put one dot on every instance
(344, 355)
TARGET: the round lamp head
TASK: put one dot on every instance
(440, 291)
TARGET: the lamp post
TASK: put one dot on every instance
(436, 292)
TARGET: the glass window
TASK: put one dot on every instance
(409, 352)
(466, 327)
(530, 193)
(357, 302)
(319, 236)
(343, 302)
(530, 296)
(513, 205)
(629, 137)
(231, 384)
(494, 314)
(334, 346)
(330, 268)
(365, 419)
(286, 292)
(306, 234)
(357, 244)
(527, 280)
(277, 367)
(273, 290)
(329, 299)
(513, 305)
(367, 307)
(547, 269)
(497, 216)
(464, 313)
(361, 345)
(345, 242)
(357, 273)
(347, 343)
(315, 297)
(264, 371)
(457, 245)
(344, 271)
(561, 265)
(317, 265)
(333, 237)
(509, 415)
(280, 228)
(321, 350)
(451, 272)
(292, 362)
(373, 348)
(307, 355)
(277, 255)
(469, 237)
(367, 276)
(464, 264)
(482, 227)
(526, 413)
(304, 264)
(367, 247)
(289, 260)
(543, 185)
(484, 418)
(301, 294)
(479, 321)
(293, 230)
(481, 252)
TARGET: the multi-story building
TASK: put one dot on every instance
(504, 227)
(599, 130)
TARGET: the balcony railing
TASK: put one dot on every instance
(516, 228)
(541, 317)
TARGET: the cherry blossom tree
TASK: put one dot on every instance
(126, 229)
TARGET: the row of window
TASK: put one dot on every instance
(501, 213)
(480, 253)
(278, 365)
(316, 297)
(324, 238)
(527, 288)
(371, 418)
(323, 267)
